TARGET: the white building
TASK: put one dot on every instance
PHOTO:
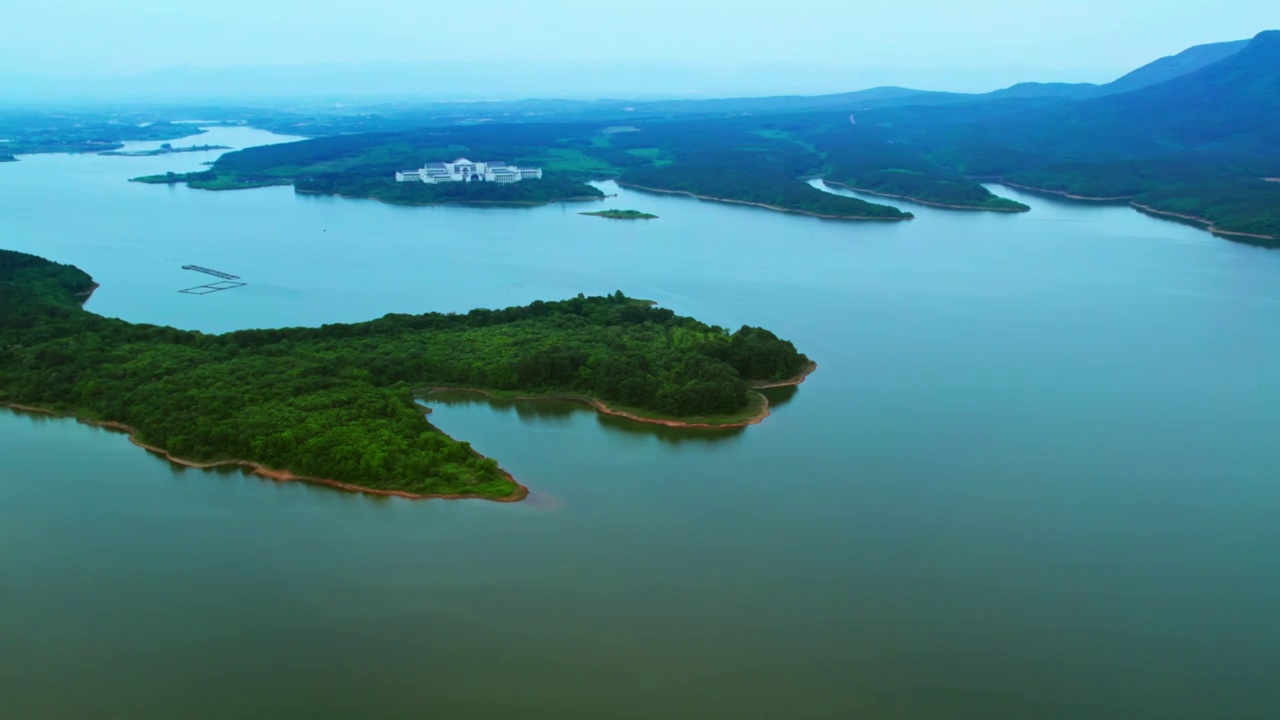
(464, 170)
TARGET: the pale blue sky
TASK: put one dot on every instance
(1087, 38)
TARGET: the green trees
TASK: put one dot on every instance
(622, 214)
(337, 401)
(551, 188)
(733, 160)
(869, 158)
(726, 158)
(1247, 205)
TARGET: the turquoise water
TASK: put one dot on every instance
(1034, 477)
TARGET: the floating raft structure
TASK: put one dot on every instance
(215, 273)
(227, 283)
(213, 287)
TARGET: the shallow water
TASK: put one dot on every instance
(1034, 476)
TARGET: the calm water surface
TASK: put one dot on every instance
(1036, 475)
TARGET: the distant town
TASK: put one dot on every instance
(464, 170)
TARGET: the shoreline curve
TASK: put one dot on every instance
(604, 409)
(1065, 194)
(458, 203)
(929, 203)
(265, 472)
(1205, 223)
(762, 205)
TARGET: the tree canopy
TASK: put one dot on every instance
(337, 401)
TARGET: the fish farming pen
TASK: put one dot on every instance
(226, 283)
(213, 287)
(215, 273)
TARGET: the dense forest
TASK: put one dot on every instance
(1232, 205)
(746, 160)
(930, 189)
(1115, 180)
(365, 166)
(723, 176)
(336, 401)
(868, 158)
(735, 160)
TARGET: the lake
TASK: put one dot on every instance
(1035, 475)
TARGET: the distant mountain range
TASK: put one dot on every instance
(1218, 100)
(1224, 108)
(477, 80)
(1154, 73)
(1192, 135)
(1162, 70)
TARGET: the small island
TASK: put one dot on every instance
(621, 214)
(338, 404)
(164, 149)
(209, 180)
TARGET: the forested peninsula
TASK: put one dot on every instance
(336, 404)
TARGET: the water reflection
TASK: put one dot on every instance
(563, 413)
(779, 396)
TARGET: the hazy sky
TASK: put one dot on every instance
(95, 37)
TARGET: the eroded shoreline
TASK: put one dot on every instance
(263, 471)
